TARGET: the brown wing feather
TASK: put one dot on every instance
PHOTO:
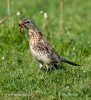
(55, 55)
(51, 50)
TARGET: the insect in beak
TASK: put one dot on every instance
(21, 27)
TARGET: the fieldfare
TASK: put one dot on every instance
(40, 47)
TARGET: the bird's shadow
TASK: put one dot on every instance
(50, 70)
(54, 67)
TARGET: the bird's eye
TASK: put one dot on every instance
(27, 21)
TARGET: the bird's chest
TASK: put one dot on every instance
(39, 52)
(33, 41)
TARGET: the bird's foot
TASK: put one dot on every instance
(41, 66)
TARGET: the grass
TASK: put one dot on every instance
(18, 68)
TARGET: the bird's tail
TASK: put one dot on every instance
(69, 62)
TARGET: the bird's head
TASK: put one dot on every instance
(28, 24)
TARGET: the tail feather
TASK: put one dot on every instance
(69, 62)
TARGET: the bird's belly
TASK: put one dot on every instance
(41, 56)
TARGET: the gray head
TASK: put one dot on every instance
(29, 24)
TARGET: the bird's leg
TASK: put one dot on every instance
(47, 67)
(41, 65)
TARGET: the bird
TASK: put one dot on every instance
(40, 47)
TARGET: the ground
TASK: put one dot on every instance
(71, 39)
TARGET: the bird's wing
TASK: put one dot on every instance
(51, 50)
(54, 54)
